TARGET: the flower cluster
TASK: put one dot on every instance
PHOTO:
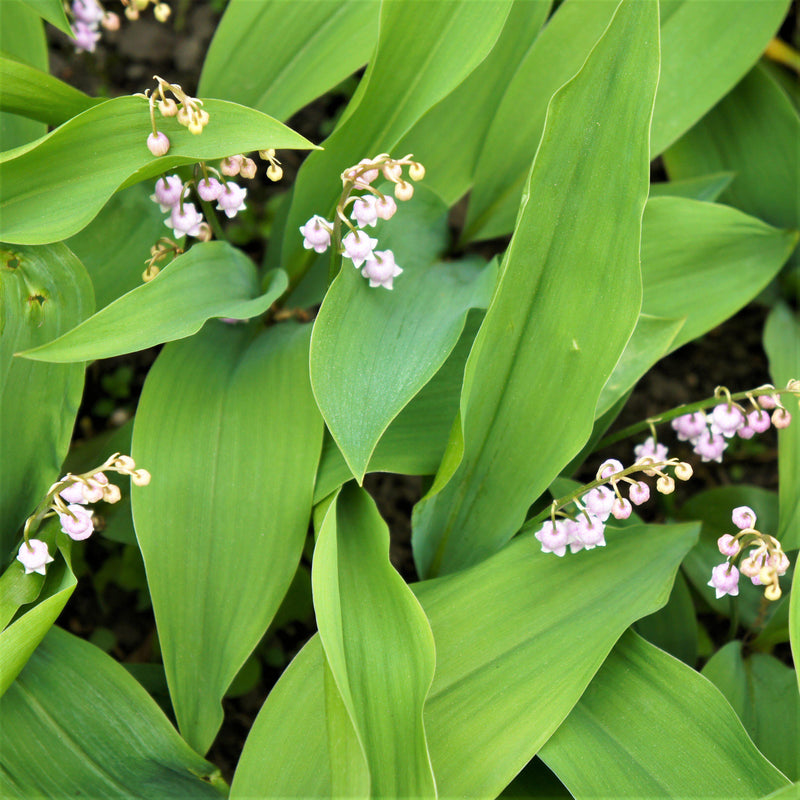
(378, 266)
(764, 563)
(67, 499)
(584, 528)
(161, 10)
(88, 16)
(187, 110)
(709, 433)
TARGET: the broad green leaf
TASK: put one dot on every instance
(83, 727)
(52, 11)
(383, 347)
(115, 263)
(674, 627)
(50, 593)
(415, 441)
(213, 279)
(706, 48)
(753, 132)
(469, 109)
(706, 187)
(54, 189)
(538, 365)
(651, 339)
(44, 291)
(763, 693)
(378, 644)
(782, 345)
(302, 49)
(516, 645)
(229, 430)
(794, 622)
(713, 507)
(704, 262)
(649, 726)
(35, 94)
(790, 792)
(22, 38)
(404, 80)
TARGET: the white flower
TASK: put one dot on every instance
(358, 246)
(381, 269)
(33, 556)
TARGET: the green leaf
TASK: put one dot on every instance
(214, 279)
(52, 11)
(706, 48)
(43, 292)
(383, 347)
(403, 81)
(512, 635)
(706, 187)
(34, 94)
(78, 725)
(467, 112)
(649, 726)
(116, 263)
(536, 370)
(763, 693)
(21, 637)
(377, 643)
(22, 38)
(794, 621)
(705, 262)
(782, 345)
(713, 507)
(222, 524)
(753, 132)
(310, 48)
(53, 190)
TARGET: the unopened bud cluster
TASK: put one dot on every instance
(709, 433)
(764, 563)
(133, 8)
(89, 16)
(68, 499)
(368, 206)
(187, 110)
(583, 525)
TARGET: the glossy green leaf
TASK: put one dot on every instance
(403, 81)
(52, 11)
(706, 187)
(50, 593)
(116, 263)
(22, 38)
(43, 292)
(222, 524)
(704, 262)
(763, 693)
(790, 792)
(383, 347)
(674, 627)
(649, 726)
(54, 190)
(794, 622)
(706, 48)
(515, 647)
(299, 48)
(415, 441)
(83, 727)
(35, 94)
(213, 279)
(713, 507)
(378, 644)
(536, 370)
(753, 132)
(467, 112)
(782, 345)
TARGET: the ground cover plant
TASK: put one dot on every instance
(522, 209)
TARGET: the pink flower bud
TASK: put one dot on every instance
(728, 545)
(621, 508)
(781, 418)
(231, 199)
(639, 493)
(743, 517)
(248, 169)
(386, 207)
(158, 144)
(78, 523)
(110, 21)
(230, 166)
(610, 467)
(768, 401)
(725, 579)
(728, 419)
(758, 420)
(599, 502)
(689, 426)
(710, 446)
(365, 212)
(210, 189)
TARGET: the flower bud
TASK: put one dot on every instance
(665, 485)
(274, 172)
(168, 107)
(393, 172)
(195, 127)
(112, 494)
(132, 13)
(141, 5)
(766, 574)
(110, 21)
(403, 190)
(416, 171)
(184, 116)
(772, 592)
(205, 233)
(267, 155)
(141, 477)
(158, 144)
(781, 418)
(230, 166)
(125, 463)
(683, 471)
(248, 169)
(162, 12)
